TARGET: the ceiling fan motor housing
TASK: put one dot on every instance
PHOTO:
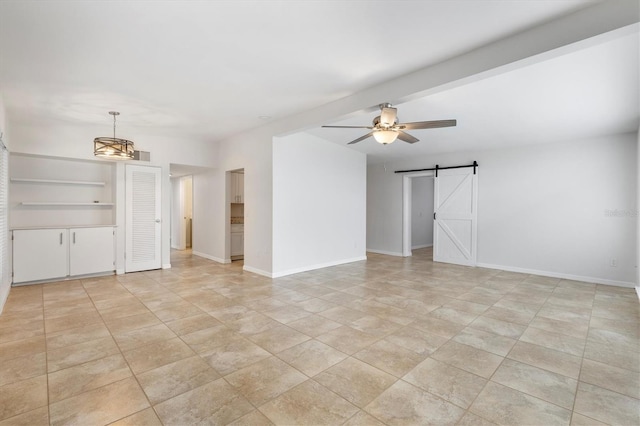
(376, 123)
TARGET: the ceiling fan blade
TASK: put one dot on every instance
(361, 138)
(350, 127)
(428, 124)
(406, 137)
(388, 116)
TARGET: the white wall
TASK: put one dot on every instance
(5, 278)
(181, 208)
(251, 151)
(319, 204)
(209, 215)
(541, 209)
(421, 212)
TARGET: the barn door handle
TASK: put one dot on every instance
(74, 238)
(61, 238)
(434, 215)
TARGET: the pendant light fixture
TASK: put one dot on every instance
(113, 148)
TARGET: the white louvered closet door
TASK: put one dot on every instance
(143, 218)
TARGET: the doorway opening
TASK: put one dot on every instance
(236, 200)
(182, 212)
(417, 211)
(422, 212)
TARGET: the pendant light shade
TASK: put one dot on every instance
(111, 147)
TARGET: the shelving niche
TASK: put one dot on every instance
(48, 191)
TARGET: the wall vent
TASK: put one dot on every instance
(142, 155)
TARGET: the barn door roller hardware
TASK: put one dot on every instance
(437, 167)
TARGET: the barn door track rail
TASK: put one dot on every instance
(437, 167)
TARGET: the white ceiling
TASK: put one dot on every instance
(209, 69)
(587, 93)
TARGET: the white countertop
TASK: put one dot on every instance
(21, 228)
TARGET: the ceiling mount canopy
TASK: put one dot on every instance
(113, 148)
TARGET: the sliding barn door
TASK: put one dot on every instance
(143, 219)
(456, 216)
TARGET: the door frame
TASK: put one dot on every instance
(406, 209)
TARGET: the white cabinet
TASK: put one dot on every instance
(237, 187)
(52, 253)
(237, 241)
(91, 250)
(40, 254)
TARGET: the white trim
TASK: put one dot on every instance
(120, 271)
(419, 246)
(257, 271)
(207, 256)
(66, 278)
(638, 292)
(592, 280)
(166, 266)
(317, 266)
(388, 253)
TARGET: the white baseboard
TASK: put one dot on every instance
(638, 292)
(120, 272)
(166, 266)
(317, 266)
(563, 276)
(421, 246)
(257, 271)
(207, 256)
(388, 253)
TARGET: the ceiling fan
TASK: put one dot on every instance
(386, 128)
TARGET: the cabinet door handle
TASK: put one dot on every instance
(74, 238)
(61, 238)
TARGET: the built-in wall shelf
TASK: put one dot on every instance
(47, 203)
(47, 191)
(58, 182)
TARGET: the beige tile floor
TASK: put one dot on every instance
(388, 341)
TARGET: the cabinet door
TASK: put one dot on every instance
(237, 244)
(40, 254)
(241, 187)
(233, 189)
(91, 250)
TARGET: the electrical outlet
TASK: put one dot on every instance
(613, 262)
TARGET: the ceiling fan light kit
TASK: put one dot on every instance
(385, 137)
(386, 129)
(111, 147)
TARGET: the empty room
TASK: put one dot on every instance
(319, 213)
